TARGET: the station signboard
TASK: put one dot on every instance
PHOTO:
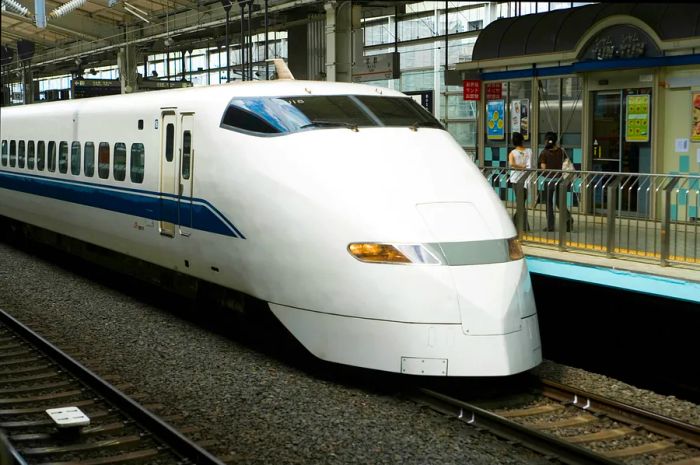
(376, 67)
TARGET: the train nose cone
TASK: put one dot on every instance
(493, 291)
(454, 221)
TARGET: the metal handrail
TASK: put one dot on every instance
(635, 216)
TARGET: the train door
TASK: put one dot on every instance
(168, 174)
(184, 199)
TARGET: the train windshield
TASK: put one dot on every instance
(278, 115)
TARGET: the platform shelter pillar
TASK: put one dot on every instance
(343, 39)
(127, 61)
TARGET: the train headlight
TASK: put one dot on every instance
(373, 252)
(515, 252)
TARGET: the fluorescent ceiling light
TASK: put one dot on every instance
(15, 7)
(127, 8)
(66, 8)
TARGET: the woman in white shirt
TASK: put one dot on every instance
(519, 158)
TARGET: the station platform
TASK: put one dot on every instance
(646, 278)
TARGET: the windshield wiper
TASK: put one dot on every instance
(425, 124)
(336, 124)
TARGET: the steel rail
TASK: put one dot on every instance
(651, 421)
(533, 439)
(161, 430)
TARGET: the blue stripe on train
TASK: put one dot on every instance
(141, 203)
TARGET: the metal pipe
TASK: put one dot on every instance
(243, 62)
(396, 28)
(227, 8)
(250, 43)
(267, 68)
(228, 44)
(446, 38)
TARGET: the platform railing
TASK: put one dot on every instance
(636, 216)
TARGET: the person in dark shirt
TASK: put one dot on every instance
(552, 158)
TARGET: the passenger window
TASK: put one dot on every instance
(186, 154)
(138, 158)
(89, 161)
(63, 157)
(103, 160)
(119, 161)
(169, 141)
(20, 154)
(52, 156)
(40, 155)
(75, 158)
(13, 153)
(30, 155)
(4, 153)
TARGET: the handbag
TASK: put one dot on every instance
(567, 165)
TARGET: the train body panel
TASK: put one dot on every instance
(410, 348)
(274, 216)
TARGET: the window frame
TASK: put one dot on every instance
(91, 171)
(140, 157)
(31, 154)
(103, 167)
(119, 164)
(40, 155)
(75, 154)
(63, 157)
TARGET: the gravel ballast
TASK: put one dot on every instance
(258, 400)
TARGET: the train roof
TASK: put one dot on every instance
(219, 93)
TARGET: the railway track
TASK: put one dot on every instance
(36, 376)
(576, 427)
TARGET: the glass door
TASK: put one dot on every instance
(621, 143)
(607, 120)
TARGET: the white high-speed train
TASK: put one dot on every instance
(347, 208)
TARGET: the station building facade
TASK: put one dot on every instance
(619, 83)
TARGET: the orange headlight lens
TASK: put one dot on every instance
(377, 253)
(514, 250)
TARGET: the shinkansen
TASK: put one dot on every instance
(347, 209)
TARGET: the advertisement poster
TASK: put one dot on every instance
(695, 132)
(525, 118)
(471, 89)
(495, 129)
(494, 91)
(515, 116)
(637, 118)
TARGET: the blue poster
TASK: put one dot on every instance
(495, 114)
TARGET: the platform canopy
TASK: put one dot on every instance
(562, 30)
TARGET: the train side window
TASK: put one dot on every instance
(40, 155)
(89, 160)
(140, 124)
(52, 156)
(30, 155)
(119, 161)
(169, 141)
(4, 153)
(138, 158)
(13, 153)
(103, 160)
(63, 157)
(20, 154)
(186, 154)
(75, 158)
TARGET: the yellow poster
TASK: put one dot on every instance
(637, 118)
(695, 131)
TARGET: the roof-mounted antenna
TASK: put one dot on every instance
(281, 69)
